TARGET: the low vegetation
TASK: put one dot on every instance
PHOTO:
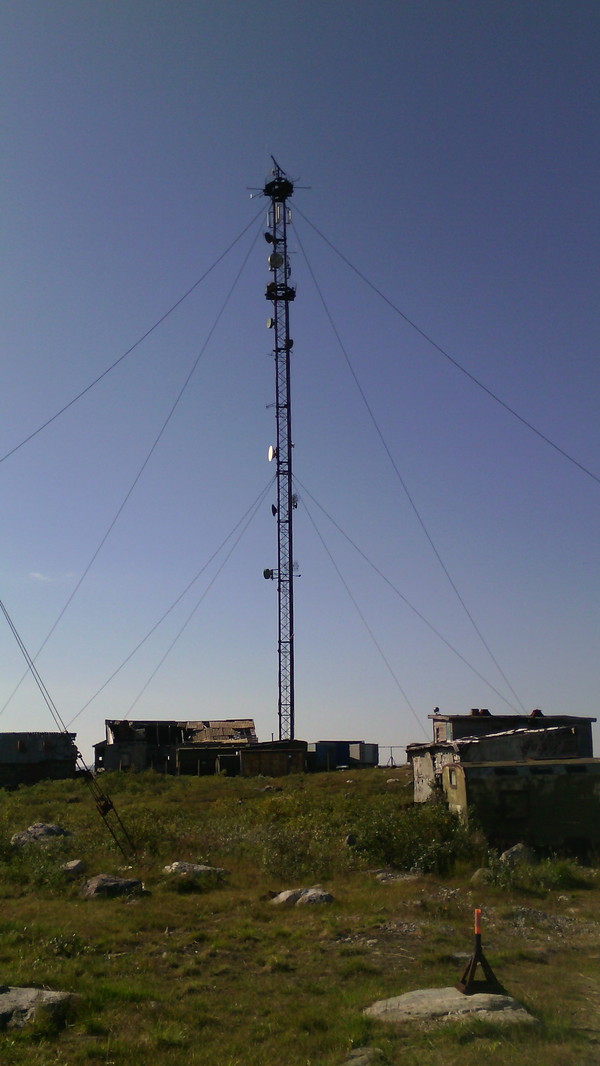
(190, 975)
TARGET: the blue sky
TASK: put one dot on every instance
(450, 152)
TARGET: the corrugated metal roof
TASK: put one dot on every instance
(39, 733)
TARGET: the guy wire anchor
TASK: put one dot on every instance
(467, 984)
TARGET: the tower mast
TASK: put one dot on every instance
(281, 293)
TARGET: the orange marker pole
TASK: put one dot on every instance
(468, 984)
(478, 951)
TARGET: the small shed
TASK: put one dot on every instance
(334, 754)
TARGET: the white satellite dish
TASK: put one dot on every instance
(272, 452)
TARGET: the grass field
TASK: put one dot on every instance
(223, 977)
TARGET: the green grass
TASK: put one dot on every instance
(222, 977)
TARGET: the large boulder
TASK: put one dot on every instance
(108, 886)
(20, 1005)
(448, 1004)
(38, 833)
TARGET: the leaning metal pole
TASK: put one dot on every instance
(281, 293)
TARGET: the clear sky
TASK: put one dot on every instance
(450, 151)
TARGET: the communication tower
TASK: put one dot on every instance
(280, 293)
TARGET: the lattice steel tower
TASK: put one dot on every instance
(281, 293)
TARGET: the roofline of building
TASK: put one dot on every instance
(534, 763)
(178, 722)
(509, 717)
(39, 733)
(523, 731)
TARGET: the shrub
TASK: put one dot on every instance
(297, 838)
(425, 838)
(548, 875)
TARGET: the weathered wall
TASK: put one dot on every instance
(554, 804)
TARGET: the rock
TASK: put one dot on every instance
(19, 1005)
(448, 1004)
(290, 896)
(520, 853)
(364, 1056)
(107, 885)
(314, 895)
(73, 869)
(38, 833)
(481, 876)
(297, 896)
(196, 870)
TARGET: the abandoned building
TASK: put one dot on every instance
(480, 737)
(199, 748)
(26, 758)
(204, 747)
(481, 722)
(527, 778)
(211, 747)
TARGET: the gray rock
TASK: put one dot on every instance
(19, 1005)
(520, 853)
(314, 895)
(300, 896)
(38, 833)
(289, 897)
(198, 871)
(107, 885)
(448, 1004)
(74, 868)
(481, 876)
